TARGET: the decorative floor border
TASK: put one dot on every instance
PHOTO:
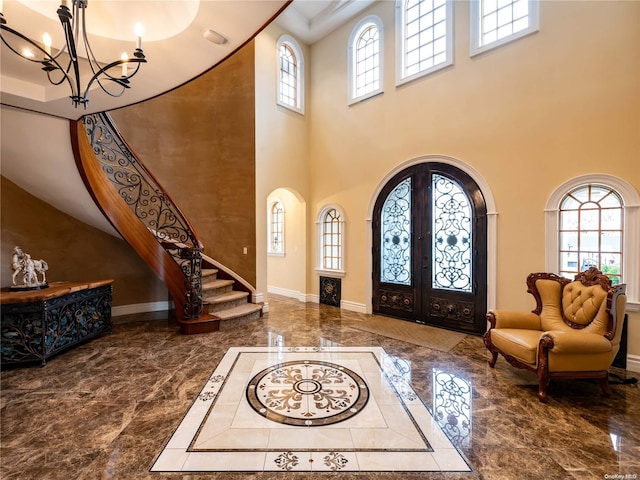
(393, 431)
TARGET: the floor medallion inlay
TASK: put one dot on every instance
(308, 393)
(255, 413)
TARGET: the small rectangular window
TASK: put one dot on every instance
(494, 23)
(425, 38)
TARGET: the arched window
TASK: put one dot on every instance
(290, 74)
(594, 220)
(331, 240)
(365, 59)
(276, 229)
(494, 23)
(424, 30)
(591, 231)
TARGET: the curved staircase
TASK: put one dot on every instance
(144, 214)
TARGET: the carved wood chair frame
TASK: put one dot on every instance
(590, 277)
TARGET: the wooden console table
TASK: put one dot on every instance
(37, 324)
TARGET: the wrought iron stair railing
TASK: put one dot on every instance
(141, 211)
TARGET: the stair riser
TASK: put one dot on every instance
(219, 306)
(212, 292)
(239, 321)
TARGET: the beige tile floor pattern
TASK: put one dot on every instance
(392, 431)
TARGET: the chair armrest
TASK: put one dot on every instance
(514, 319)
(577, 342)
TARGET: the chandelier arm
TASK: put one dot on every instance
(122, 81)
(57, 82)
(139, 62)
(49, 64)
(26, 39)
(93, 62)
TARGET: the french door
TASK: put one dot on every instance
(430, 249)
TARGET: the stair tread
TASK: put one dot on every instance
(209, 271)
(234, 312)
(226, 297)
(218, 283)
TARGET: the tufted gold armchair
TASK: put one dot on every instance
(574, 331)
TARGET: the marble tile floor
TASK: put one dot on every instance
(105, 410)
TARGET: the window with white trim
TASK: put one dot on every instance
(591, 231)
(496, 22)
(594, 220)
(276, 229)
(365, 59)
(290, 74)
(331, 240)
(424, 30)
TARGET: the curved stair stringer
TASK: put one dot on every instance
(190, 314)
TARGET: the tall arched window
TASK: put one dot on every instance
(290, 74)
(365, 59)
(594, 220)
(424, 31)
(591, 231)
(276, 229)
(331, 240)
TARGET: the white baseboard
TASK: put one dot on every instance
(285, 292)
(312, 298)
(633, 363)
(140, 308)
(257, 297)
(353, 306)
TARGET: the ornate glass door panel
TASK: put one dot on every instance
(430, 248)
(451, 226)
(395, 255)
(394, 259)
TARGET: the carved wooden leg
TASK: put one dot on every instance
(494, 358)
(487, 343)
(543, 383)
(604, 383)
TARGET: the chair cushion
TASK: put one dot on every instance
(580, 303)
(521, 344)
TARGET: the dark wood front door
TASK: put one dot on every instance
(430, 248)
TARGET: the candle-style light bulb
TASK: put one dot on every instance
(124, 57)
(46, 39)
(139, 29)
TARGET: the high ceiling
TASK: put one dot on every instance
(173, 42)
(310, 20)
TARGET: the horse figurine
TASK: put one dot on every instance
(23, 264)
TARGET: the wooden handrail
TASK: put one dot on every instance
(176, 263)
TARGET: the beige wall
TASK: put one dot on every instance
(282, 151)
(286, 273)
(528, 116)
(198, 140)
(73, 250)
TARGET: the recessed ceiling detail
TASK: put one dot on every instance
(108, 18)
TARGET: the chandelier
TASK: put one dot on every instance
(113, 78)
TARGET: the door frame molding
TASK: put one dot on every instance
(492, 221)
